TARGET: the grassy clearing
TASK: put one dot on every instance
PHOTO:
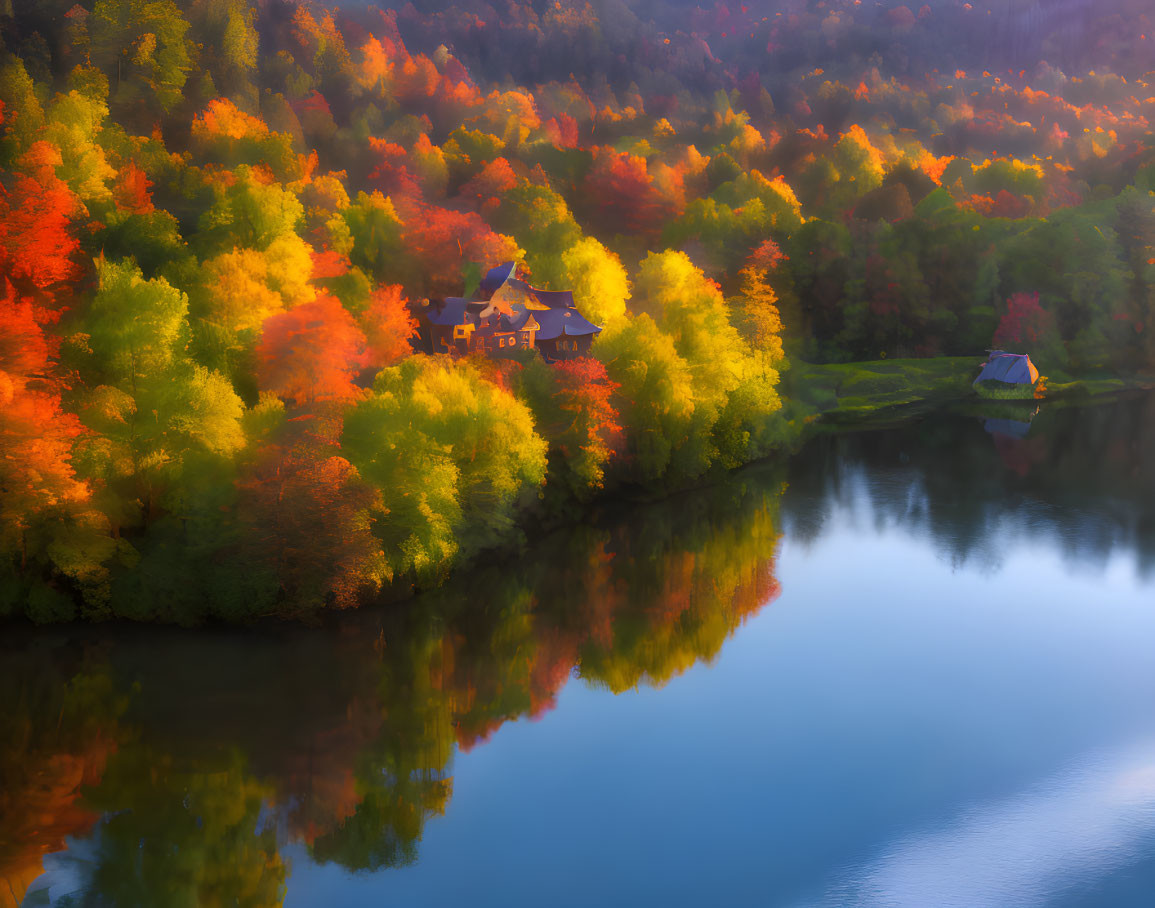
(1093, 386)
(893, 388)
(856, 390)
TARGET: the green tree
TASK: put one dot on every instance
(23, 110)
(453, 456)
(657, 395)
(154, 412)
(541, 222)
(375, 228)
(144, 48)
(729, 378)
(249, 212)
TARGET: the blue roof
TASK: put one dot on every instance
(495, 277)
(556, 322)
(1013, 368)
(554, 298)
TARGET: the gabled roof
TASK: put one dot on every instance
(556, 322)
(495, 277)
(517, 321)
(1013, 368)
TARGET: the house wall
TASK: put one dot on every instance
(566, 347)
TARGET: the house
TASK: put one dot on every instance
(1009, 368)
(508, 314)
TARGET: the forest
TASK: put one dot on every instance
(221, 221)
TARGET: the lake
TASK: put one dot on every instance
(913, 665)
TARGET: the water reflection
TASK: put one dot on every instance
(178, 765)
(1081, 480)
(1025, 850)
(178, 768)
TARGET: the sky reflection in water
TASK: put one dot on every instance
(952, 702)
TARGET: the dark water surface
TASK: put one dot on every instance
(912, 666)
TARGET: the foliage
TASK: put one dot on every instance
(220, 219)
(452, 455)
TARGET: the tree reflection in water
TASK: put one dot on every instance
(177, 766)
(181, 763)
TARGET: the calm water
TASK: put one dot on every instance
(912, 666)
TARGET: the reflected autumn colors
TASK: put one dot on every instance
(180, 764)
(183, 769)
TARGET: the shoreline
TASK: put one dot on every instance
(875, 395)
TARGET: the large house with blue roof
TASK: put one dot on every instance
(507, 314)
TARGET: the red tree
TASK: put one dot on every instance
(36, 434)
(484, 190)
(443, 241)
(593, 435)
(389, 327)
(133, 190)
(766, 257)
(311, 354)
(390, 171)
(622, 192)
(1025, 322)
(36, 243)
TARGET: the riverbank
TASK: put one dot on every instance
(818, 399)
(848, 393)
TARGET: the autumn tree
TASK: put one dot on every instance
(452, 455)
(389, 170)
(389, 327)
(375, 230)
(574, 408)
(226, 32)
(487, 188)
(49, 530)
(728, 377)
(249, 210)
(539, 218)
(1026, 327)
(237, 292)
(306, 513)
(657, 394)
(37, 243)
(154, 412)
(143, 47)
(622, 195)
(225, 134)
(311, 354)
(756, 305)
(599, 282)
(442, 242)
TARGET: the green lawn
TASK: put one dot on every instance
(859, 389)
(855, 391)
